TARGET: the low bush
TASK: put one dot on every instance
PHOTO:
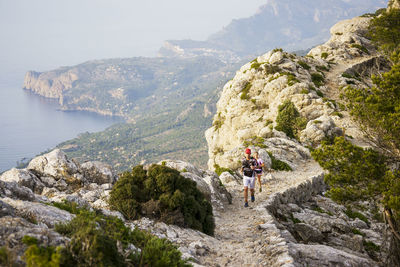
(361, 48)
(324, 55)
(245, 91)
(162, 193)
(291, 78)
(219, 170)
(271, 69)
(217, 123)
(317, 79)
(304, 65)
(289, 120)
(278, 165)
(354, 173)
(99, 240)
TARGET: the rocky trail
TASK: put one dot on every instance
(241, 236)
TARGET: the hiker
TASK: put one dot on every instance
(259, 168)
(248, 166)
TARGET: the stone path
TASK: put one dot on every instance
(242, 240)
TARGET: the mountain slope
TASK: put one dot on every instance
(292, 25)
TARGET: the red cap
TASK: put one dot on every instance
(248, 151)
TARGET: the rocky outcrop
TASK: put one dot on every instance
(347, 41)
(319, 232)
(248, 106)
(50, 84)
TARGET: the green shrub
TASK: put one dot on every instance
(277, 50)
(304, 65)
(219, 170)
(336, 113)
(255, 65)
(361, 48)
(245, 91)
(162, 193)
(289, 120)
(321, 68)
(356, 232)
(319, 93)
(278, 165)
(93, 242)
(371, 247)
(324, 55)
(7, 257)
(217, 123)
(271, 69)
(355, 214)
(384, 31)
(268, 122)
(304, 91)
(317, 79)
(291, 78)
(354, 173)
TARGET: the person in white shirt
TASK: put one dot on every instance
(259, 168)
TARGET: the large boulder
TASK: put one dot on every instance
(13, 190)
(54, 164)
(319, 129)
(23, 177)
(97, 172)
(39, 213)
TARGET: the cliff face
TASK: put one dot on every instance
(49, 84)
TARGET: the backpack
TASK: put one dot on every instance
(246, 164)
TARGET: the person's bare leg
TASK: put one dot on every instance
(251, 192)
(245, 193)
(259, 179)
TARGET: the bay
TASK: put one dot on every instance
(31, 124)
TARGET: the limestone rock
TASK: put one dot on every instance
(321, 255)
(316, 130)
(13, 190)
(346, 37)
(308, 233)
(54, 164)
(38, 212)
(97, 172)
(23, 178)
(181, 166)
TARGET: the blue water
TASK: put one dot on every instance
(30, 124)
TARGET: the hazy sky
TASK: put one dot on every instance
(45, 34)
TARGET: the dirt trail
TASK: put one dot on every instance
(241, 242)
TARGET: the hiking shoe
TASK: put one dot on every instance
(253, 198)
(260, 189)
(246, 204)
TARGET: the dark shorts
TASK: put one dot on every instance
(258, 171)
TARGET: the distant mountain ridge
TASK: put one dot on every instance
(292, 25)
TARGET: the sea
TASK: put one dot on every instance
(31, 124)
